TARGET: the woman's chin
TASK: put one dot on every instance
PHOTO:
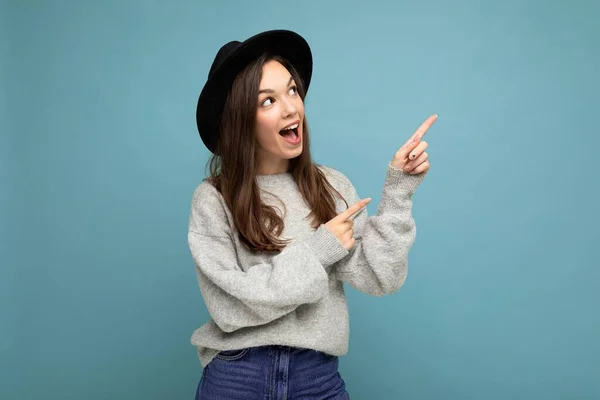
(290, 154)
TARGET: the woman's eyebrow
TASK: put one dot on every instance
(271, 90)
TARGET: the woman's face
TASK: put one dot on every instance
(279, 120)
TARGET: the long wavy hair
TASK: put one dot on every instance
(233, 171)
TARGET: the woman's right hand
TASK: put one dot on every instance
(342, 226)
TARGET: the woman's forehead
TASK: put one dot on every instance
(274, 74)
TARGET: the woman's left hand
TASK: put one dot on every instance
(412, 157)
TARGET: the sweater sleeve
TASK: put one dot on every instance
(264, 292)
(378, 262)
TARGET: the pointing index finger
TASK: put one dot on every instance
(353, 209)
(421, 130)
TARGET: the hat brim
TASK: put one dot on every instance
(286, 44)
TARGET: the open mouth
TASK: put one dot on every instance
(290, 133)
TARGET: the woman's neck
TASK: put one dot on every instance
(273, 167)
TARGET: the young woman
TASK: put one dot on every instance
(274, 236)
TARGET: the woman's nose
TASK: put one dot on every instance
(289, 108)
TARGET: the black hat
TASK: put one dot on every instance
(231, 59)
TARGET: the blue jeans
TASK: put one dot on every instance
(272, 373)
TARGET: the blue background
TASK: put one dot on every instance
(99, 157)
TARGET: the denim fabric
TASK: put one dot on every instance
(272, 373)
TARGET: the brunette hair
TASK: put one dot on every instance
(233, 170)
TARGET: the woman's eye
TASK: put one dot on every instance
(266, 102)
(293, 90)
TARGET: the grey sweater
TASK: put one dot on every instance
(295, 298)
